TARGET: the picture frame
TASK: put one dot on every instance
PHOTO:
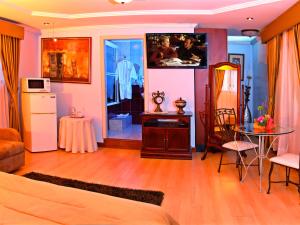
(66, 59)
(237, 58)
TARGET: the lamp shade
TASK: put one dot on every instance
(123, 1)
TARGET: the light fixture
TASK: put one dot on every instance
(123, 1)
(53, 38)
(250, 32)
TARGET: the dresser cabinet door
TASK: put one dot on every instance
(177, 140)
(154, 139)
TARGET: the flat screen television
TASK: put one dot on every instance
(176, 50)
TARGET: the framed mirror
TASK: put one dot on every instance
(224, 92)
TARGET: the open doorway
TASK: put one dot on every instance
(124, 76)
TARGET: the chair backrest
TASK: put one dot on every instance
(225, 122)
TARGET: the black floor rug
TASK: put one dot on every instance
(153, 197)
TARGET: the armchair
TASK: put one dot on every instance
(12, 155)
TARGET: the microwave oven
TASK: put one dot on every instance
(35, 84)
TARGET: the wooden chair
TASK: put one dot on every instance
(289, 161)
(211, 139)
(225, 123)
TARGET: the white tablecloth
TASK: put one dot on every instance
(77, 135)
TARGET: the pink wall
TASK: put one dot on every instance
(76, 95)
(29, 55)
(88, 97)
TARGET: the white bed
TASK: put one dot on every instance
(26, 201)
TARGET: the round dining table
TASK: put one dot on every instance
(248, 130)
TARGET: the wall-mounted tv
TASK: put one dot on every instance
(176, 50)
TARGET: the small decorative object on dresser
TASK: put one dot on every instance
(180, 104)
(158, 98)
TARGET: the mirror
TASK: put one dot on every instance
(225, 89)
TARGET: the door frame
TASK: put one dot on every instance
(103, 78)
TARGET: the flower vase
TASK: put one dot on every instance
(258, 127)
(270, 124)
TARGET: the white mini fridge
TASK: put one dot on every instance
(39, 121)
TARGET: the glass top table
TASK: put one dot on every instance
(248, 130)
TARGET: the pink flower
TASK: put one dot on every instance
(260, 119)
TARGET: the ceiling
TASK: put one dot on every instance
(230, 14)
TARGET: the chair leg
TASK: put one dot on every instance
(240, 170)
(239, 166)
(237, 161)
(222, 152)
(287, 175)
(258, 166)
(205, 153)
(299, 179)
(270, 174)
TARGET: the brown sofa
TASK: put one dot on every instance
(12, 154)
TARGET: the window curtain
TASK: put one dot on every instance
(296, 34)
(287, 105)
(10, 57)
(4, 121)
(219, 78)
(273, 58)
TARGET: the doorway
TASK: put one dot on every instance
(124, 78)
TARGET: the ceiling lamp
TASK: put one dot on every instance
(250, 32)
(123, 1)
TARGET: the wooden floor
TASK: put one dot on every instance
(194, 192)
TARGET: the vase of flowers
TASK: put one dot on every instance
(264, 121)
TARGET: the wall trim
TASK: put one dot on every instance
(11, 29)
(285, 21)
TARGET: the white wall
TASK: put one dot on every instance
(245, 47)
(260, 79)
(256, 66)
(174, 82)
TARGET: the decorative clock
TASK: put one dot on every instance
(158, 98)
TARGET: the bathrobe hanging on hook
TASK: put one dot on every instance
(125, 74)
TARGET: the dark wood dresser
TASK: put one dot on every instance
(166, 135)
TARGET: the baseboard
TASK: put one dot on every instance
(121, 143)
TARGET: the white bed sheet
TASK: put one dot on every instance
(26, 201)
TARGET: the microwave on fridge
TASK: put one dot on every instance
(31, 84)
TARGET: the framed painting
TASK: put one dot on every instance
(66, 59)
(237, 59)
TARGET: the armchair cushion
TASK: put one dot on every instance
(9, 134)
(10, 148)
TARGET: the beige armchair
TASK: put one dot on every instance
(12, 155)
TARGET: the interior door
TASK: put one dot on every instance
(111, 56)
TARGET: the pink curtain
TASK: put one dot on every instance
(287, 104)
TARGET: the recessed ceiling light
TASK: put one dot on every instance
(122, 1)
(250, 18)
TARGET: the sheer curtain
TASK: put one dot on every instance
(287, 104)
(4, 121)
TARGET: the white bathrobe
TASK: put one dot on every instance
(125, 73)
